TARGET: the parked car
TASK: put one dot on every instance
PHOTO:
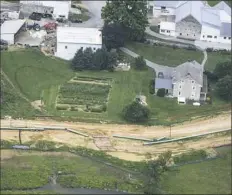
(35, 16)
(33, 26)
(76, 20)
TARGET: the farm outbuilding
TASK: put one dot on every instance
(71, 39)
(10, 30)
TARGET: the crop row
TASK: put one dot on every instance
(86, 78)
(80, 101)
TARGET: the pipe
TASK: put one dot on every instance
(133, 138)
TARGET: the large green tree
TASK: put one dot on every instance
(224, 88)
(131, 15)
(78, 62)
(140, 63)
(222, 69)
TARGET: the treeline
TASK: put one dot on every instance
(89, 60)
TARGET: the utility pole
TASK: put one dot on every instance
(20, 140)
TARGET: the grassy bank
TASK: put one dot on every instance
(210, 177)
(30, 169)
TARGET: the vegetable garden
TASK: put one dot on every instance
(84, 94)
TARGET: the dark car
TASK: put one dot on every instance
(35, 16)
(73, 20)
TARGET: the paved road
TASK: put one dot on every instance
(9, 6)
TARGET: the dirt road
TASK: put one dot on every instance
(187, 129)
(125, 149)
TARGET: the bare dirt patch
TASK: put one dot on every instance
(37, 104)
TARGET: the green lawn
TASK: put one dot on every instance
(164, 55)
(29, 170)
(12, 103)
(31, 71)
(39, 76)
(209, 177)
(212, 3)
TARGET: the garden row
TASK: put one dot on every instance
(87, 97)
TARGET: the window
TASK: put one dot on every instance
(52, 12)
(215, 37)
(180, 33)
(81, 47)
(180, 86)
(187, 34)
(224, 37)
(192, 81)
(66, 47)
(194, 35)
(162, 30)
(182, 81)
(163, 7)
(193, 94)
(179, 92)
(168, 31)
(203, 36)
(194, 88)
(229, 38)
(209, 36)
(94, 48)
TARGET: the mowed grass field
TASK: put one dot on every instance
(39, 76)
(209, 177)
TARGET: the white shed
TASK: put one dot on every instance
(10, 29)
(71, 39)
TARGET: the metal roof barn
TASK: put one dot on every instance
(10, 28)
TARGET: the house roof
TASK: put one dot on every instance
(223, 6)
(193, 68)
(11, 26)
(210, 16)
(79, 35)
(163, 83)
(225, 30)
(189, 8)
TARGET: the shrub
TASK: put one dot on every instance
(140, 63)
(223, 88)
(135, 112)
(161, 92)
(45, 145)
(152, 86)
(74, 108)
(209, 49)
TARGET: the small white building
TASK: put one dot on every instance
(10, 30)
(58, 9)
(71, 39)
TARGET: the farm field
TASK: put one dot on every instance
(164, 55)
(209, 177)
(33, 170)
(40, 77)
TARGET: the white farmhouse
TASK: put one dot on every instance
(59, 9)
(71, 39)
(184, 81)
(194, 20)
(10, 30)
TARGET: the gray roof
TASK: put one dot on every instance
(11, 26)
(193, 68)
(223, 6)
(189, 8)
(210, 16)
(225, 30)
(163, 83)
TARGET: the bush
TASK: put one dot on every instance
(62, 107)
(135, 112)
(191, 156)
(161, 92)
(223, 88)
(74, 108)
(209, 49)
(45, 145)
(140, 63)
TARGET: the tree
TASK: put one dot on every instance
(78, 62)
(136, 113)
(223, 69)
(113, 36)
(100, 59)
(131, 15)
(88, 58)
(223, 87)
(152, 86)
(140, 63)
(161, 92)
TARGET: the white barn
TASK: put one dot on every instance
(71, 39)
(195, 20)
(59, 9)
(10, 30)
